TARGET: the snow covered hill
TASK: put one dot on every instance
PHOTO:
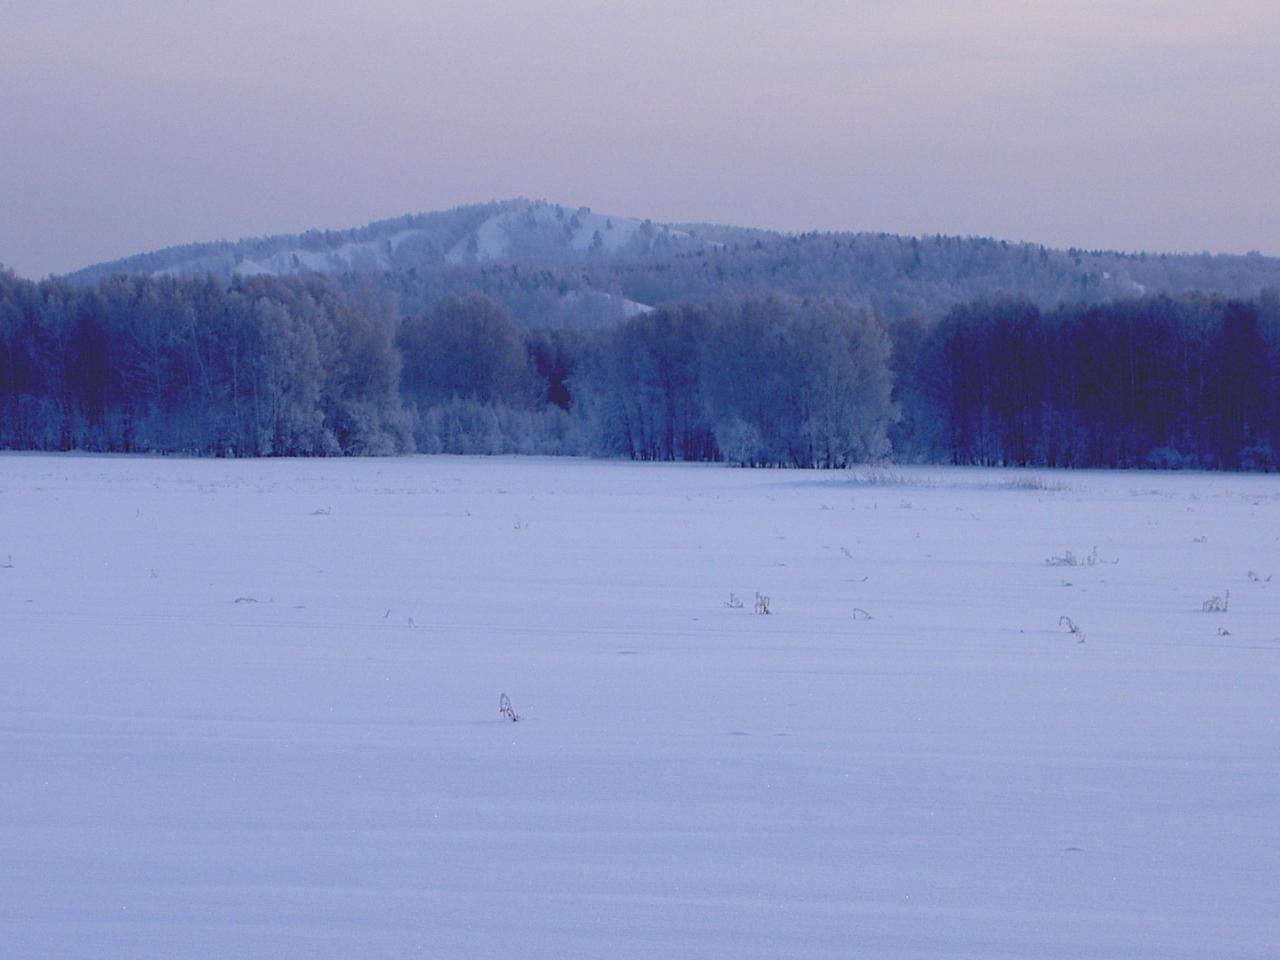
(530, 254)
(512, 231)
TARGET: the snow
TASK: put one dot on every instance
(245, 268)
(614, 232)
(492, 241)
(628, 307)
(249, 709)
(631, 308)
(374, 254)
(493, 238)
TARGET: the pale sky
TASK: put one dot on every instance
(128, 125)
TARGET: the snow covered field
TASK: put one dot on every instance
(249, 709)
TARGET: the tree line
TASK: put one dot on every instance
(1158, 382)
(304, 365)
(254, 368)
(895, 277)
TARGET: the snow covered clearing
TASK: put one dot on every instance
(579, 229)
(250, 709)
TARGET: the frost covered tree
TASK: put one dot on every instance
(465, 348)
(307, 365)
(469, 378)
(765, 383)
(645, 385)
(804, 384)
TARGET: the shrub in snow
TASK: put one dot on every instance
(1072, 627)
(467, 426)
(1259, 457)
(762, 604)
(1216, 604)
(1167, 458)
(505, 708)
(1035, 482)
(1069, 559)
(877, 475)
(740, 442)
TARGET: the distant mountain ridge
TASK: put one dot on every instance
(509, 231)
(555, 265)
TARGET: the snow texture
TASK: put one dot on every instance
(250, 709)
(579, 228)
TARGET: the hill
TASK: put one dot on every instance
(559, 266)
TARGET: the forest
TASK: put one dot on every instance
(558, 266)
(307, 365)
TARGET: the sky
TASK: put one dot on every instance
(1132, 124)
